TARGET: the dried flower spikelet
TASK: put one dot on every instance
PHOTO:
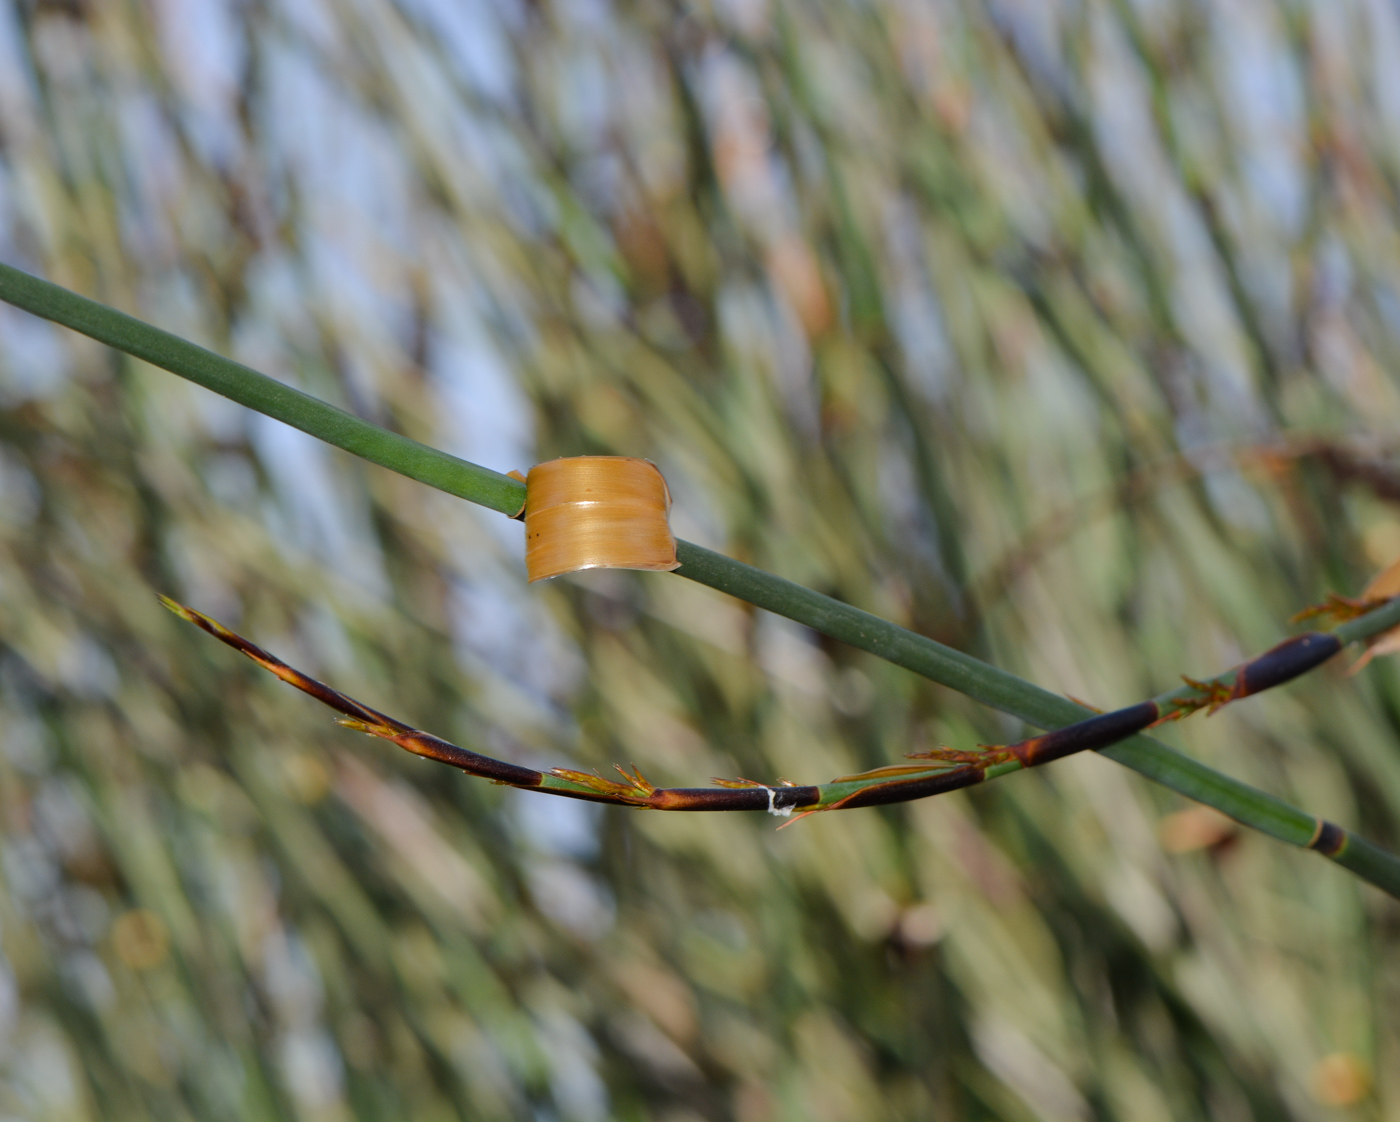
(597, 512)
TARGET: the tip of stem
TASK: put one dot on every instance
(176, 607)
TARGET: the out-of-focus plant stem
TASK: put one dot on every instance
(895, 644)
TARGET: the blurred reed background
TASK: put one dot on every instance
(1063, 332)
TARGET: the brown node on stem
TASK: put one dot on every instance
(1211, 694)
(597, 512)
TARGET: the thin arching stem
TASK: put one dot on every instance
(932, 773)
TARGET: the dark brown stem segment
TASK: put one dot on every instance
(1275, 666)
(362, 717)
(944, 769)
(1290, 659)
(1282, 663)
(580, 785)
(1095, 732)
(1329, 839)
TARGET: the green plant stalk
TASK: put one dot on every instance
(924, 656)
(259, 392)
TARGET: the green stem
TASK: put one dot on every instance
(263, 394)
(915, 652)
(1041, 708)
(1369, 625)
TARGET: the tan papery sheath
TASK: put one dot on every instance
(596, 512)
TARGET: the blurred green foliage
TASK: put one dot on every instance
(1062, 332)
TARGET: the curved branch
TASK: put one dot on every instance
(945, 770)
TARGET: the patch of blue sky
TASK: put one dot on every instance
(349, 169)
(1382, 27)
(371, 315)
(155, 177)
(486, 417)
(33, 359)
(325, 516)
(290, 977)
(273, 319)
(1261, 91)
(557, 827)
(313, 1070)
(357, 201)
(583, 98)
(579, 1092)
(1015, 175)
(476, 157)
(915, 311)
(488, 170)
(1124, 130)
(587, 17)
(1131, 145)
(473, 37)
(1036, 28)
(313, 21)
(205, 55)
(17, 118)
(501, 622)
(1205, 315)
(1386, 292)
